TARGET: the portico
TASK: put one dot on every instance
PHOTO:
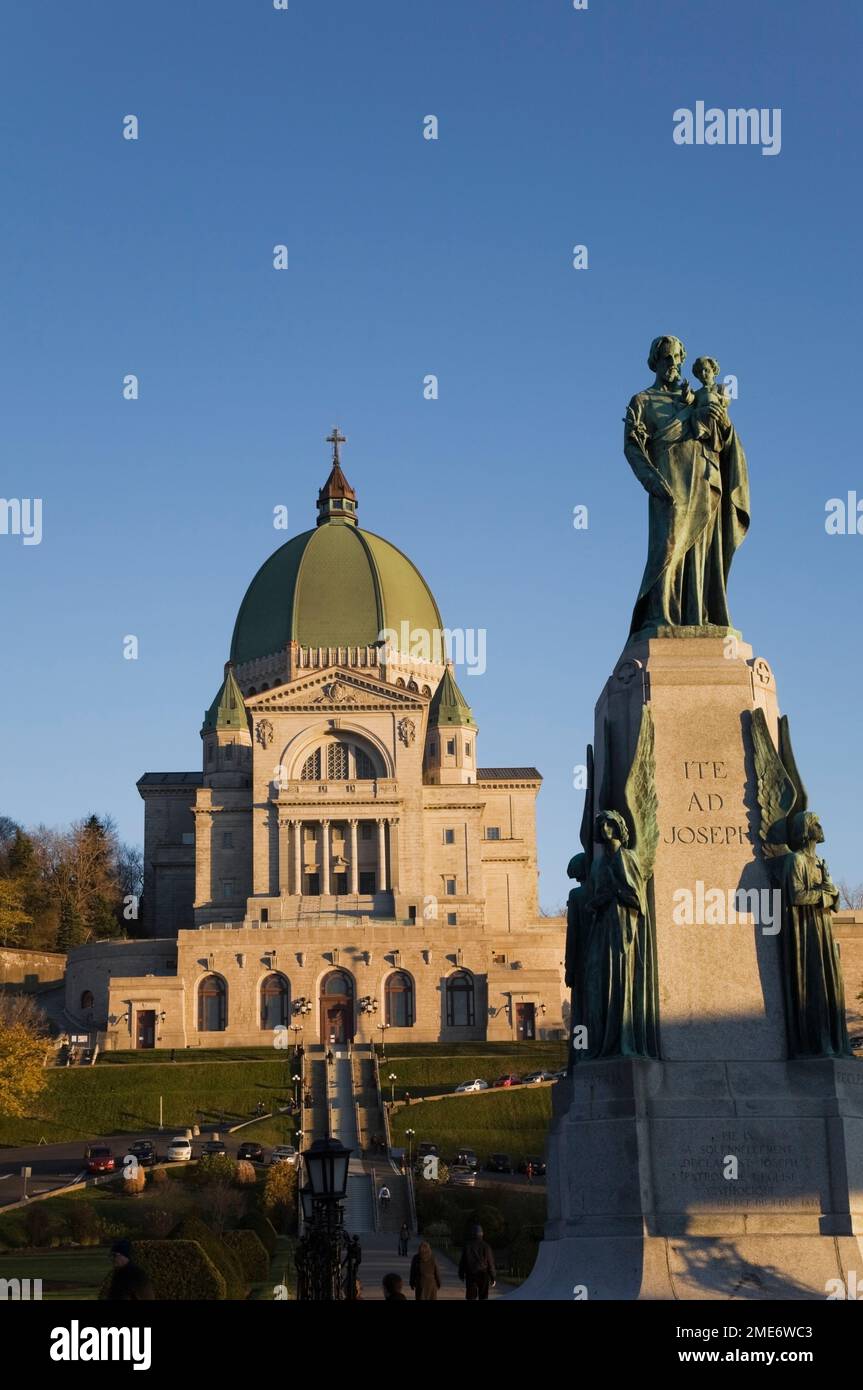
(323, 856)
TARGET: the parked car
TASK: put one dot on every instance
(213, 1146)
(477, 1085)
(179, 1150)
(499, 1163)
(560, 1075)
(99, 1159)
(508, 1080)
(466, 1158)
(144, 1151)
(283, 1153)
(535, 1077)
(537, 1164)
(254, 1153)
(462, 1176)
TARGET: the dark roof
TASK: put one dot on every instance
(513, 774)
(189, 779)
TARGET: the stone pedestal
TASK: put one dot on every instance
(723, 1170)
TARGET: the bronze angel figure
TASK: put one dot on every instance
(789, 832)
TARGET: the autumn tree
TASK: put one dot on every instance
(23, 1047)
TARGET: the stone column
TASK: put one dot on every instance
(325, 856)
(284, 855)
(355, 868)
(382, 855)
(394, 852)
(298, 855)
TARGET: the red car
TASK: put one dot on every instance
(99, 1159)
(508, 1081)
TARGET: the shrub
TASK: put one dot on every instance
(179, 1269)
(438, 1230)
(158, 1224)
(84, 1224)
(39, 1225)
(245, 1175)
(263, 1229)
(492, 1222)
(158, 1177)
(214, 1168)
(280, 1197)
(226, 1262)
(250, 1252)
(134, 1183)
(221, 1206)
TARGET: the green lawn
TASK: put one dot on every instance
(183, 1055)
(79, 1103)
(513, 1122)
(65, 1274)
(424, 1071)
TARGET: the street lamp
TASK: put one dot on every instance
(392, 1080)
(327, 1257)
(383, 1027)
(297, 1079)
(410, 1135)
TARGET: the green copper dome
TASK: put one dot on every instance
(335, 586)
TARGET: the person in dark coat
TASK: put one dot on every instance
(404, 1237)
(393, 1289)
(425, 1275)
(476, 1266)
(128, 1282)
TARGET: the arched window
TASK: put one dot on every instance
(400, 1000)
(275, 998)
(338, 983)
(338, 761)
(87, 999)
(460, 1011)
(212, 1001)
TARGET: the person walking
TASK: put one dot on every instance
(384, 1197)
(404, 1236)
(129, 1282)
(425, 1275)
(476, 1266)
(393, 1285)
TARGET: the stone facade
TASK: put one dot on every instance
(340, 862)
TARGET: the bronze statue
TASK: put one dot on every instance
(814, 991)
(613, 953)
(685, 452)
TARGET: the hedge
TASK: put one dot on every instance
(226, 1262)
(178, 1269)
(263, 1229)
(250, 1252)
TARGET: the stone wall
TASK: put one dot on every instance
(30, 969)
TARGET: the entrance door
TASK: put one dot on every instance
(146, 1035)
(525, 1022)
(337, 1008)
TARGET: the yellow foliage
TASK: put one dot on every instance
(22, 1073)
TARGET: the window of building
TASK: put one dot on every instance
(499, 958)
(265, 915)
(338, 761)
(212, 1005)
(432, 749)
(450, 746)
(460, 1010)
(412, 912)
(450, 887)
(467, 749)
(228, 887)
(311, 769)
(87, 999)
(452, 919)
(227, 839)
(275, 1001)
(400, 1000)
(229, 750)
(449, 837)
(492, 832)
(209, 752)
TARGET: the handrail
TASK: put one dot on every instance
(355, 1087)
(412, 1201)
(382, 1106)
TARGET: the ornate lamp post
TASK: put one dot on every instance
(327, 1258)
(410, 1135)
(392, 1080)
(383, 1027)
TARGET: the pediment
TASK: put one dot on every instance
(334, 688)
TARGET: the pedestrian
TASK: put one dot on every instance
(384, 1197)
(476, 1266)
(424, 1275)
(129, 1281)
(404, 1236)
(393, 1286)
(529, 1171)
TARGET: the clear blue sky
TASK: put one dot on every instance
(410, 257)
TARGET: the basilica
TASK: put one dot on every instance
(342, 865)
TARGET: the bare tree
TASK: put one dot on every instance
(850, 896)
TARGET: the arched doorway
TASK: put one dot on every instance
(337, 1007)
